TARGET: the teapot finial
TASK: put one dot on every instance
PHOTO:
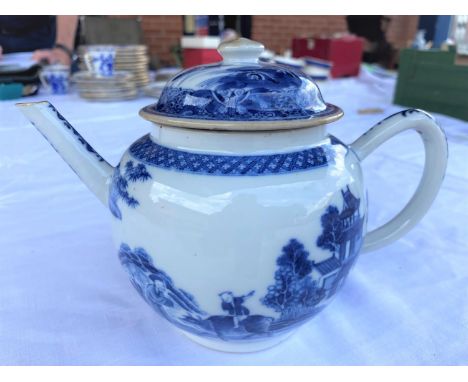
(241, 50)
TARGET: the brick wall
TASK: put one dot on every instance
(276, 32)
(161, 33)
(402, 30)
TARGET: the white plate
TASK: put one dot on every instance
(109, 96)
(89, 76)
(131, 60)
(116, 99)
(101, 89)
(154, 89)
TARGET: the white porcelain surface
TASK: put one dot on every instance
(240, 237)
(215, 233)
(222, 237)
(58, 235)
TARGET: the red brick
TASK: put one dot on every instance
(276, 32)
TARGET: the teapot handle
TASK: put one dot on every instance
(436, 152)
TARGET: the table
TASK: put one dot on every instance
(65, 300)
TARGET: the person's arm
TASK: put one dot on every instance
(66, 29)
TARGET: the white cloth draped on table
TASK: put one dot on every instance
(65, 300)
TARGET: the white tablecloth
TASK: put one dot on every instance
(65, 300)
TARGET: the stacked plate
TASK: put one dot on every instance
(155, 88)
(121, 86)
(134, 59)
(129, 58)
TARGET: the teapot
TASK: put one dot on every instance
(238, 218)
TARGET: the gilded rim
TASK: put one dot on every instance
(203, 124)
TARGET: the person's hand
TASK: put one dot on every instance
(52, 56)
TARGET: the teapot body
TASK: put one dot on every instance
(239, 218)
(238, 238)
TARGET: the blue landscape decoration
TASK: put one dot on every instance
(262, 92)
(119, 187)
(298, 288)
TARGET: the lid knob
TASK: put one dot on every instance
(241, 50)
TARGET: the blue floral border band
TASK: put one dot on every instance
(150, 153)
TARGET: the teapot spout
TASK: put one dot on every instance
(92, 169)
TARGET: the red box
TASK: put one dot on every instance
(345, 52)
(199, 56)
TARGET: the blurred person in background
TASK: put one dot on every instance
(376, 47)
(51, 38)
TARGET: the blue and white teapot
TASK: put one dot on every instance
(239, 217)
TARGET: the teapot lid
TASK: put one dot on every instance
(241, 93)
